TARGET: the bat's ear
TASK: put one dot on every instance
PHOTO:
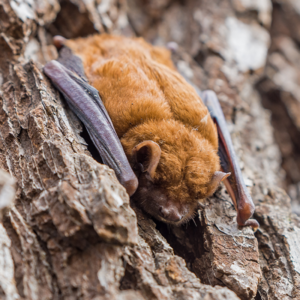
(148, 155)
(215, 181)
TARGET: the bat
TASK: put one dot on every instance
(167, 143)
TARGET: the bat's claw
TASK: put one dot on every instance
(131, 185)
(59, 41)
(251, 222)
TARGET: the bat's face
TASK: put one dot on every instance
(173, 192)
(174, 175)
(164, 203)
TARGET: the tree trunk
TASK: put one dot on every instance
(72, 232)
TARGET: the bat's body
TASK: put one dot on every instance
(166, 131)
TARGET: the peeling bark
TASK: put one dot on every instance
(72, 232)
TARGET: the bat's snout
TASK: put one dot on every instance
(170, 213)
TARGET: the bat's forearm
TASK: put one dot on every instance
(235, 184)
(84, 100)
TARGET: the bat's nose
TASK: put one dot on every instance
(170, 214)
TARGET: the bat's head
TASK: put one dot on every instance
(176, 169)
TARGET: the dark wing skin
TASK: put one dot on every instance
(67, 75)
(234, 183)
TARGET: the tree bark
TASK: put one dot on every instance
(72, 232)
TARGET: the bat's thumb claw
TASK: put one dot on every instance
(59, 41)
(130, 185)
(251, 222)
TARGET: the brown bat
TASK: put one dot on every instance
(168, 145)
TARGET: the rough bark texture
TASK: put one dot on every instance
(280, 91)
(72, 233)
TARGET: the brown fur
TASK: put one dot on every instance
(147, 99)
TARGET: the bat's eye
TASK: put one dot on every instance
(198, 196)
